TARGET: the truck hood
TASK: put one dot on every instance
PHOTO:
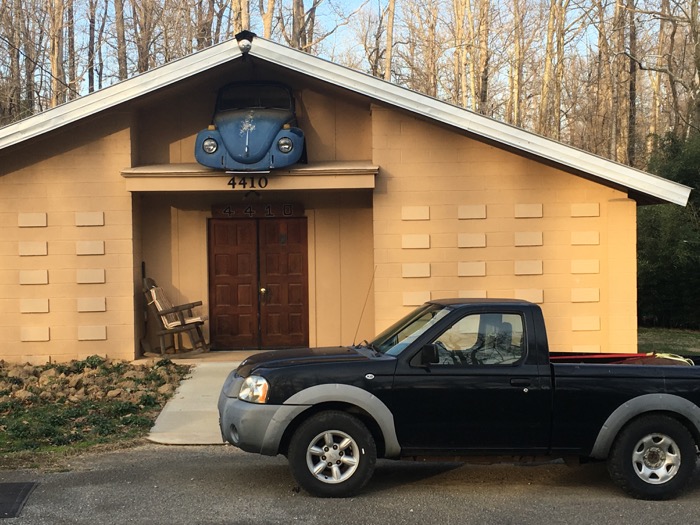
(302, 356)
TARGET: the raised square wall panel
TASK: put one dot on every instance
(415, 241)
(90, 248)
(471, 211)
(89, 218)
(92, 304)
(415, 270)
(90, 276)
(34, 306)
(471, 269)
(585, 266)
(471, 240)
(528, 211)
(34, 277)
(585, 295)
(34, 333)
(533, 295)
(31, 249)
(415, 213)
(528, 238)
(528, 267)
(92, 333)
(415, 298)
(585, 209)
(585, 238)
(32, 220)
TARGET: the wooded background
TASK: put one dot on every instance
(616, 78)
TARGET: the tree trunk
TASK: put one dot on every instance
(484, 57)
(240, 15)
(391, 8)
(544, 116)
(72, 66)
(267, 16)
(632, 93)
(121, 38)
(55, 10)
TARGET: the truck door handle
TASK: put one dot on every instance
(520, 382)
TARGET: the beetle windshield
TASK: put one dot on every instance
(402, 333)
(238, 96)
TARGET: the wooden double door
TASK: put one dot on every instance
(258, 283)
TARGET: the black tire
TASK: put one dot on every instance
(332, 455)
(653, 458)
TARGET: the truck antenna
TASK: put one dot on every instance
(362, 313)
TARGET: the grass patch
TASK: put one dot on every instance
(669, 340)
(53, 411)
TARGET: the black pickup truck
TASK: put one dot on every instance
(460, 378)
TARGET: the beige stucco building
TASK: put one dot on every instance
(403, 199)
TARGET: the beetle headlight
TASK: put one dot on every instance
(254, 389)
(285, 145)
(210, 146)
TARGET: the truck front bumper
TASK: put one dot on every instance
(254, 427)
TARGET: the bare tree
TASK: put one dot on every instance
(241, 15)
(389, 51)
(56, 11)
(145, 30)
(267, 12)
(121, 38)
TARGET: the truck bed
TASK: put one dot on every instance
(655, 359)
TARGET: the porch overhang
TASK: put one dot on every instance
(332, 175)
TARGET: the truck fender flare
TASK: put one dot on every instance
(335, 392)
(640, 405)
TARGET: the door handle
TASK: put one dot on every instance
(263, 291)
(525, 382)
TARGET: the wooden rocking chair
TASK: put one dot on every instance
(173, 321)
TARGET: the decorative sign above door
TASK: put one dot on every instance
(259, 210)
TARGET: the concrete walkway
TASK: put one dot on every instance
(191, 417)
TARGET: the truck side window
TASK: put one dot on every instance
(482, 339)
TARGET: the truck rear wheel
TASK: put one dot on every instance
(653, 457)
(332, 454)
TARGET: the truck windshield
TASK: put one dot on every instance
(402, 333)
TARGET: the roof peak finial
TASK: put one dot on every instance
(245, 40)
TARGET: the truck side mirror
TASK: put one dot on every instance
(429, 355)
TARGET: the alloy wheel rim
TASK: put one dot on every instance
(332, 456)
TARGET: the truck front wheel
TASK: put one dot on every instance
(653, 458)
(332, 454)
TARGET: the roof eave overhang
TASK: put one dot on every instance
(510, 137)
(118, 93)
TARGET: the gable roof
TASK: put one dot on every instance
(550, 151)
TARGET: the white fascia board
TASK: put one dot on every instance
(471, 122)
(118, 93)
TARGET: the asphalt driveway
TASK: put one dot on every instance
(157, 484)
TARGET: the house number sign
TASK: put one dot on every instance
(258, 211)
(248, 182)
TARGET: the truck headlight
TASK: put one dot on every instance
(285, 145)
(254, 389)
(210, 146)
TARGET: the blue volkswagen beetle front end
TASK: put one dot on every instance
(253, 129)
